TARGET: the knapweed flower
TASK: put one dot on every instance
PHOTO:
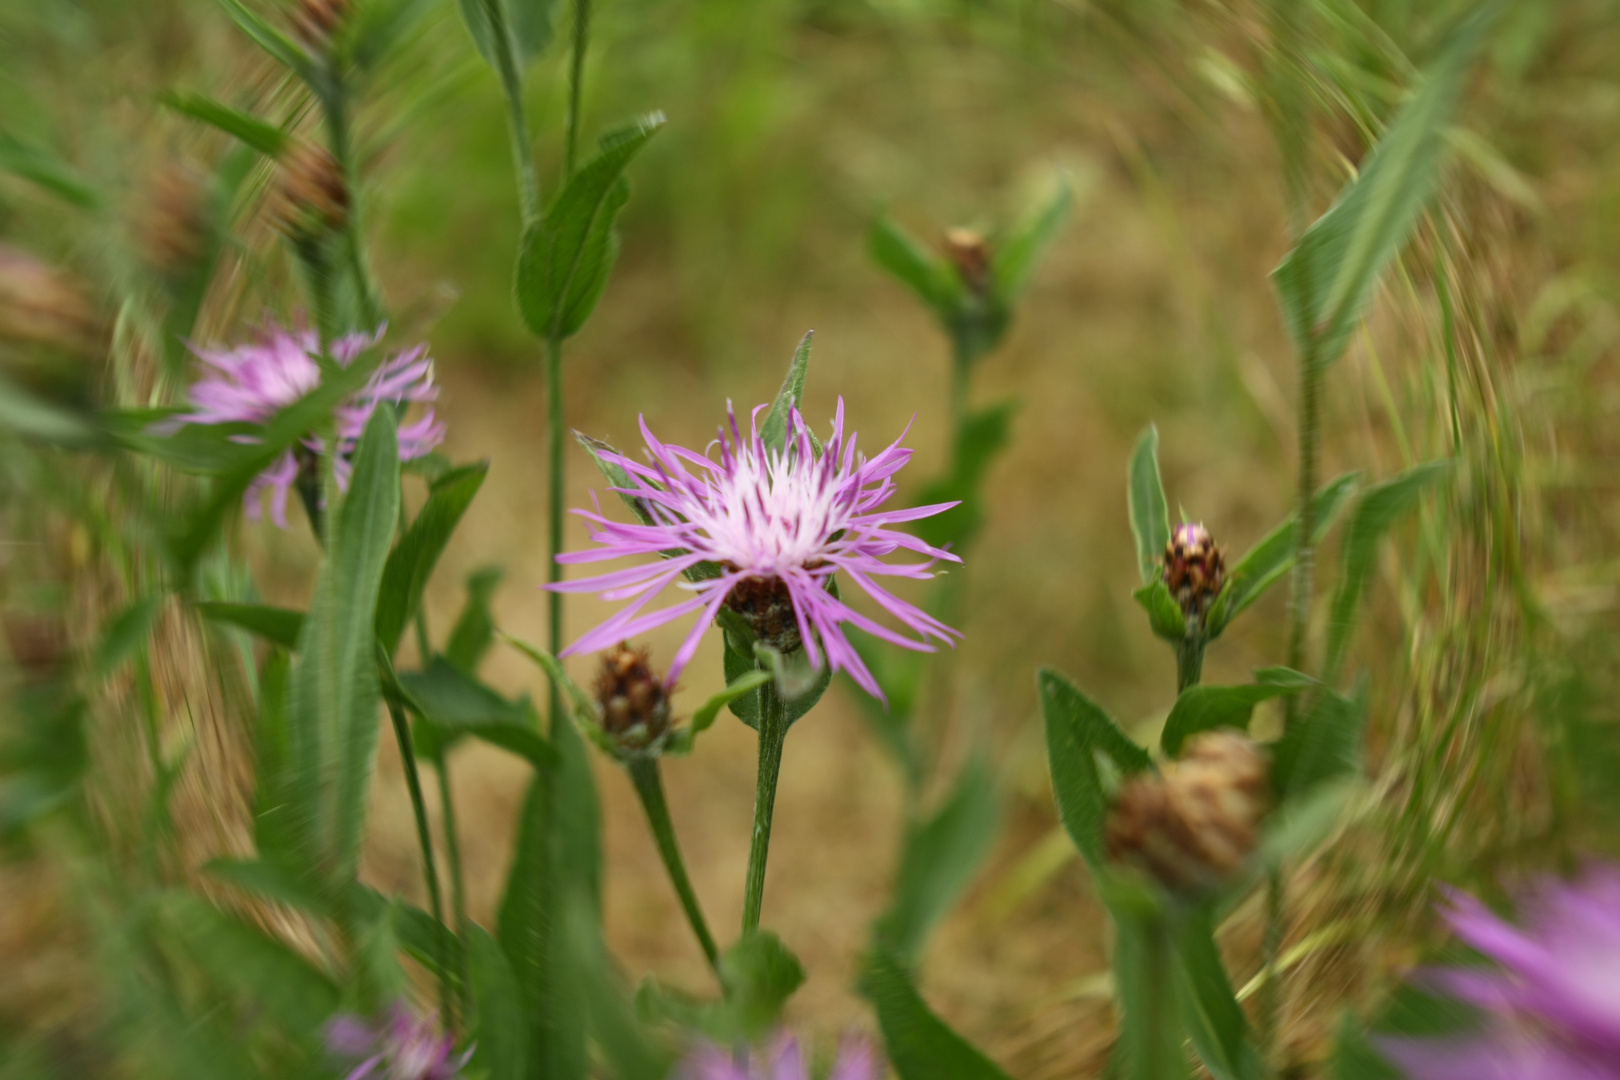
(776, 525)
(784, 1061)
(1551, 1005)
(401, 1046)
(251, 383)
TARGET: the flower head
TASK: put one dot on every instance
(1552, 1004)
(403, 1046)
(773, 526)
(251, 383)
(784, 1061)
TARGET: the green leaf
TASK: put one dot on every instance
(1266, 563)
(528, 25)
(266, 138)
(1015, 258)
(932, 278)
(47, 171)
(423, 937)
(583, 704)
(681, 741)
(1077, 730)
(278, 826)
(335, 691)
(980, 438)
(452, 703)
(568, 253)
(799, 685)
(1150, 1036)
(475, 628)
(919, 1044)
(939, 859)
(1326, 281)
(501, 1032)
(411, 563)
(277, 625)
(1321, 744)
(374, 28)
(1205, 708)
(1297, 828)
(1379, 509)
(33, 417)
(759, 974)
(1164, 614)
(1209, 1009)
(773, 432)
(268, 38)
(1150, 515)
(623, 1042)
(269, 881)
(126, 635)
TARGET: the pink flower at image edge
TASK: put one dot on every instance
(784, 1061)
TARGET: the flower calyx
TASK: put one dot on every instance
(633, 702)
(1194, 570)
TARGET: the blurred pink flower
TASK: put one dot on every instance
(251, 383)
(1551, 1005)
(777, 525)
(404, 1046)
(784, 1061)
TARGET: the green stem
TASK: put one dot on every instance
(962, 358)
(1190, 659)
(512, 83)
(335, 101)
(1271, 948)
(458, 880)
(576, 80)
(649, 782)
(554, 514)
(1150, 1041)
(424, 838)
(772, 735)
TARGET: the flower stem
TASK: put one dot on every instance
(554, 515)
(1190, 658)
(458, 886)
(512, 83)
(649, 782)
(334, 99)
(424, 838)
(576, 81)
(772, 734)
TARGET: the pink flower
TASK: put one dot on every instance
(774, 526)
(403, 1047)
(856, 1061)
(251, 383)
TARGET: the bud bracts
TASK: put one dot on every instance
(634, 700)
(314, 196)
(1193, 825)
(1194, 569)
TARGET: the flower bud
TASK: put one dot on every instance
(315, 21)
(173, 227)
(1193, 569)
(969, 252)
(1192, 826)
(767, 607)
(633, 699)
(314, 196)
(37, 643)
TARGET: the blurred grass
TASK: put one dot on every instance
(1491, 637)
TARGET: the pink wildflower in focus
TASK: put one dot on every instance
(403, 1047)
(251, 383)
(856, 1061)
(1551, 1006)
(778, 525)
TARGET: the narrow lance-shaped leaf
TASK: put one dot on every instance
(1379, 509)
(1150, 514)
(567, 255)
(1209, 1010)
(277, 625)
(1205, 708)
(335, 692)
(411, 563)
(773, 432)
(268, 38)
(1015, 260)
(925, 273)
(266, 138)
(470, 638)
(46, 170)
(501, 1029)
(1322, 744)
(920, 1045)
(1076, 731)
(703, 718)
(1326, 281)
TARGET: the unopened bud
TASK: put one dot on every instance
(315, 21)
(1193, 826)
(633, 699)
(1194, 569)
(314, 197)
(40, 305)
(766, 606)
(969, 251)
(173, 226)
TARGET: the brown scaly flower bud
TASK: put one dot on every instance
(1194, 569)
(634, 700)
(314, 196)
(40, 305)
(315, 21)
(173, 227)
(1192, 826)
(767, 606)
(969, 252)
